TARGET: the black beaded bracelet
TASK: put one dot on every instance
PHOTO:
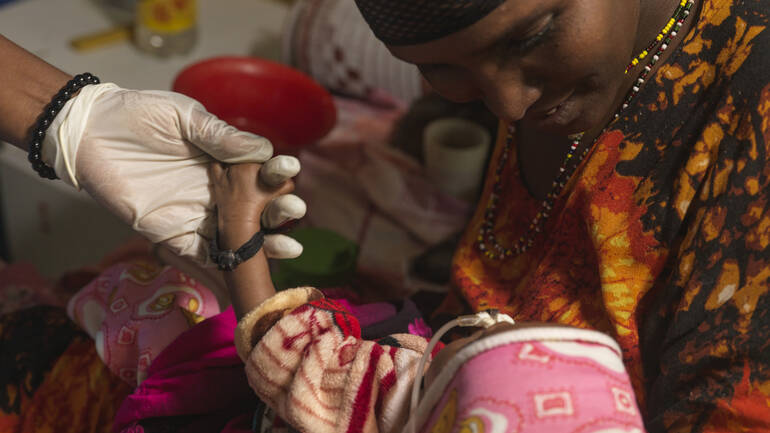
(46, 118)
(228, 260)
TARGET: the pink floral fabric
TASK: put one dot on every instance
(134, 310)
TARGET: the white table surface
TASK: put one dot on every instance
(45, 27)
(48, 223)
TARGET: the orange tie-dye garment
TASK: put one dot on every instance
(661, 238)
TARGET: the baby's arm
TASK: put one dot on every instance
(304, 354)
(240, 199)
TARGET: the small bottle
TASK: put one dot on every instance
(165, 27)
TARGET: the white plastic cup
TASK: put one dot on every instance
(455, 152)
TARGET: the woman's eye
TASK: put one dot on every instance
(520, 46)
(451, 82)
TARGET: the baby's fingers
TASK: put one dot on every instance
(216, 171)
(243, 174)
(218, 180)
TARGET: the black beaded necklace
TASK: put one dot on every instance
(486, 240)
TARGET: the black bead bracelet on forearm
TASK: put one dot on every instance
(46, 118)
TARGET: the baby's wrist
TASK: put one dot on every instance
(234, 233)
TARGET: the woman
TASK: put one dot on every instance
(659, 237)
(630, 203)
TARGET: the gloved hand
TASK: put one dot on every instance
(144, 155)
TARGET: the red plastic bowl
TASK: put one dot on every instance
(263, 97)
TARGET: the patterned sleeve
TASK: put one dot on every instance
(306, 360)
(706, 341)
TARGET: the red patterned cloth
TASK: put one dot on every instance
(306, 360)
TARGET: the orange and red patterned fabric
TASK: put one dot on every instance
(662, 237)
(52, 377)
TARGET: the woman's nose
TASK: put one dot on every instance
(507, 91)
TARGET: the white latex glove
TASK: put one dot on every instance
(144, 156)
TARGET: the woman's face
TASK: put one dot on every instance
(556, 65)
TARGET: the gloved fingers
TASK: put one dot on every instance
(194, 244)
(210, 277)
(279, 169)
(281, 247)
(222, 141)
(190, 245)
(281, 209)
(216, 170)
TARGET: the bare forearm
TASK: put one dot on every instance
(249, 284)
(29, 83)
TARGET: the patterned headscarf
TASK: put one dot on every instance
(409, 22)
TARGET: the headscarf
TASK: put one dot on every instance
(409, 22)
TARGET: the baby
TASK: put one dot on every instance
(306, 360)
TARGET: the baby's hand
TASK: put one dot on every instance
(240, 198)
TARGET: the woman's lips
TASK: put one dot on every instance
(556, 106)
(559, 116)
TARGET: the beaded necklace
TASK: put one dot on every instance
(486, 241)
(665, 35)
